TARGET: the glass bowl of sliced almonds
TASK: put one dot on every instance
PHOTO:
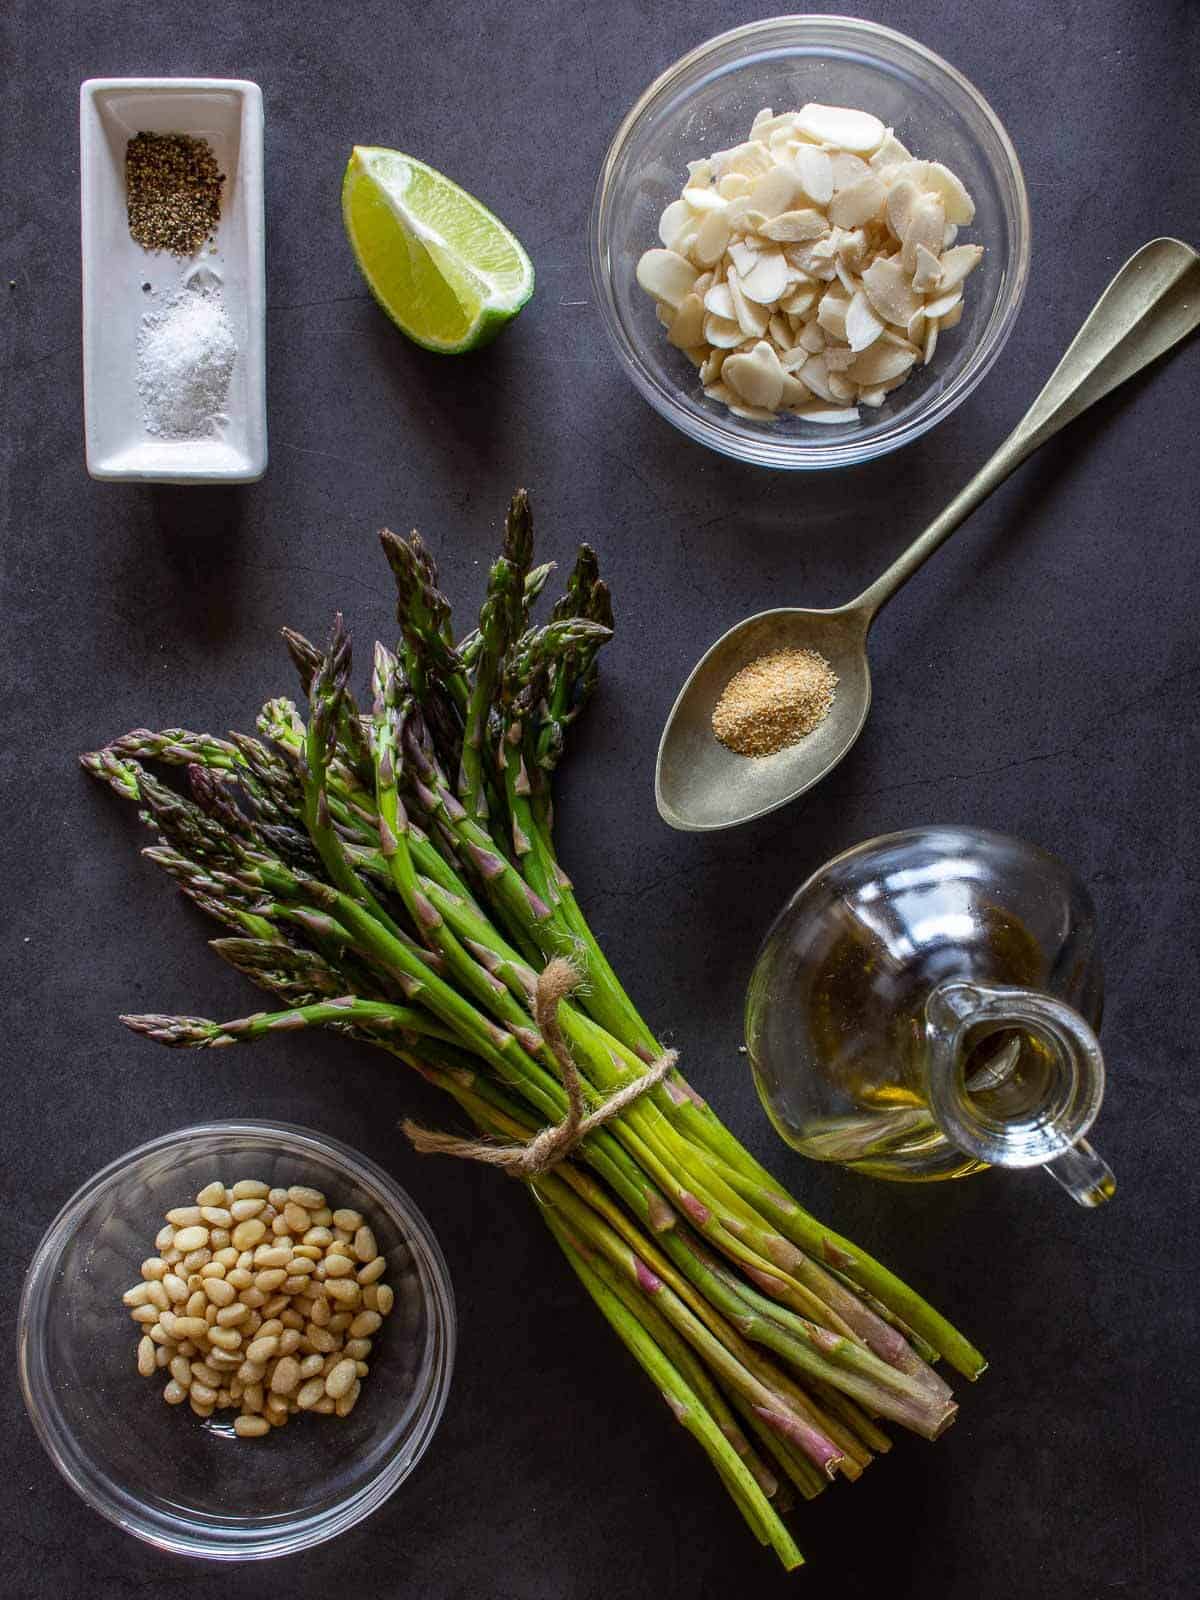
(809, 241)
(286, 1300)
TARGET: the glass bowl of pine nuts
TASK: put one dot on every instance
(354, 1356)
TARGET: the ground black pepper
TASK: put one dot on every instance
(173, 191)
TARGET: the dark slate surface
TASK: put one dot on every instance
(1040, 678)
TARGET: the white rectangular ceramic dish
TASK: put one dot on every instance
(228, 113)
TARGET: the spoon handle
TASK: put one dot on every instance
(1151, 304)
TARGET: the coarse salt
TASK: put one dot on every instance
(186, 354)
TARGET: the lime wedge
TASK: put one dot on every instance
(447, 272)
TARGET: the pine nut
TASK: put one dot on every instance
(247, 1234)
(184, 1217)
(321, 1217)
(173, 1394)
(219, 1238)
(147, 1364)
(292, 1285)
(297, 1218)
(252, 1397)
(338, 1266)
(291, 1319)
(240, 1278)
(225, 1338)
(278, 1198)
(227, 1258)
(181, 1371)
(252, 1371)
(216, 1216)
(321, 1313)
(312, 1198)
(340, 1321)
(162, 1356)
(204, 1411)
(270, 1279)
(320, 1338)
(225, 1361)
(202, 1394)
(263, 1349)
(147, 1315)
(385, 1298)
(357, 1349)
(243, 1210)
(350, 1220)
(155, 1268)
(202, 1373)
(373, 1271)
(364, 1324)
(346, 1404)
(340, 1379)
(311, 1366)
(310, 1393)
(160, 1335)
(365, 1247)
(177, 1289)
(271, 1255)
(220, 1292)
(195, 1259)
(232, 1316)
(164, 1238)
(213, 1194)
(289, 1341)
(189, 1239)
(249, 1189)
(251, 1427)
(344, 1290)
(252, 1297)
(197, 1304)
(275, 1306)
(286, 1375)
(137, 1296)
(325, 1407)
(279, 1227)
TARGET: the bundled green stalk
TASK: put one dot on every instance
(391, 874)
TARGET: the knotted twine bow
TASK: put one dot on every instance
(553, 1144)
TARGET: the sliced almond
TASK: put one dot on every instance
(880, 364)
(831, 314)
(903, 196)
(840, 126)
(931, 337)
(950, 235)
(872, 397)
(840, 387)
(719, 391)
(813, 375)
(710, 371)
(666, 276)
(837, 357)
(776, 191)
(811, 338)
(750, 159)
(687, 329)
(743, 255)
(848, 281)
(863, 327)
(914, 329)
(719, 301)
(944, 303)
(853, 248)
(830, 415)
(752, 317)
(800, 300)
(723, 333)
(890, 153)
(696, 354)
(815, 172)
(794, 393)
(927, 274)
(889, 290)
(951, 319)
(705, 199)
(793, 358)
(767, 280)
(925, 224)
(712, 238)
(700, 173)
(757, 377)
(859, 202)
(960, 208)
(956, 264)
(792, 227)
(677, 217)
(780, 330)
(752, 413)
(733, 185)
(743, 216)
(760, 117)
(847, 169)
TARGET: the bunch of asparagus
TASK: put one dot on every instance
(392, 876)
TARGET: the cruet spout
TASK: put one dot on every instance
(1015, 1079)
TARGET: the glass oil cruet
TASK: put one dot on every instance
(925, 1006)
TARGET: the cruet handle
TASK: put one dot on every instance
(958, 1010)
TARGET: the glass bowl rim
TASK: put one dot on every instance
(280, 1535)
(793, 453)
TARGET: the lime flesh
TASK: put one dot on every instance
(447, 272)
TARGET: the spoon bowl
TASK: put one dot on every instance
(699, 784)
(1151, 305)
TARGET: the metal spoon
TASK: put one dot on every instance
(1151, 304)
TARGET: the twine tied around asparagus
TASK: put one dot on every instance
(555, 1143)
